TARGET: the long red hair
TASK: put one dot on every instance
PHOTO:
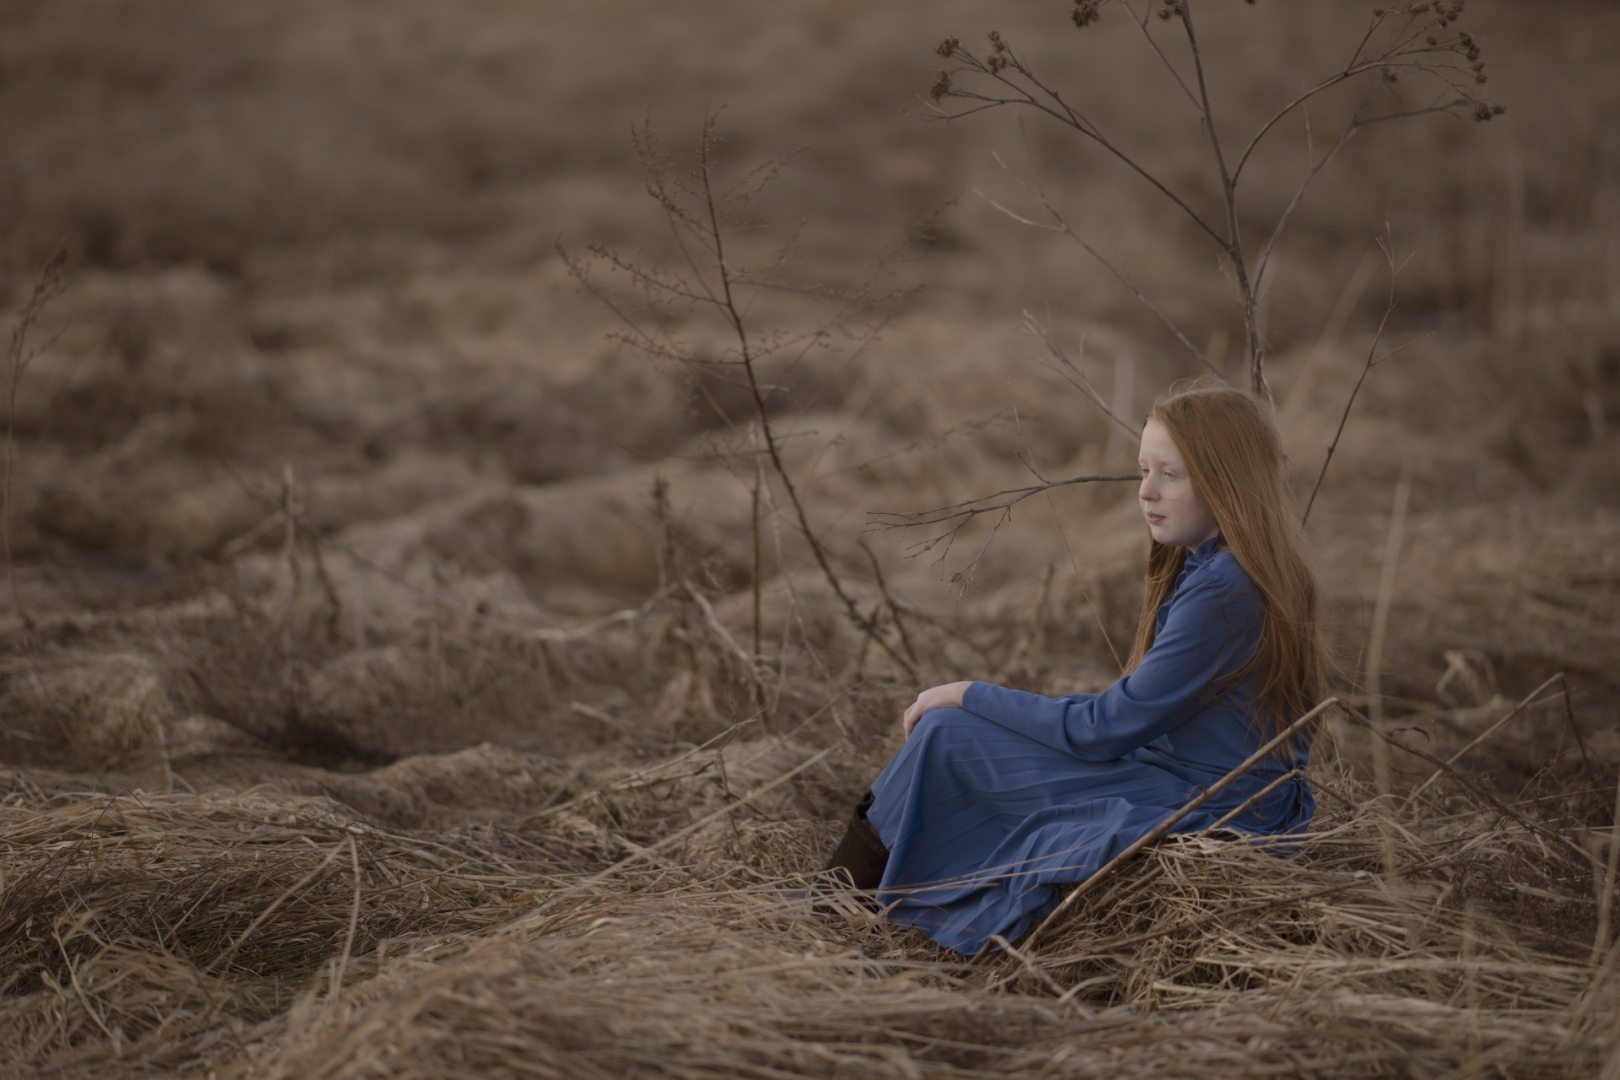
(1235, 460)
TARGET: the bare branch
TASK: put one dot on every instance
(967, 428)
(1073, 372)
(1142, 25)
(957, 516)
(1372, 361)
(1062, 227)
(1310, 178)
(1233, 239)
(698, 214)
(1248, 292)
(1383, 61)
(1051, 102)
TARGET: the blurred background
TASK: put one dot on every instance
(378, 614)
(318, 241)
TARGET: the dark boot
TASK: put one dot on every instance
(861, 854)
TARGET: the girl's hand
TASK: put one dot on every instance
(948, 696)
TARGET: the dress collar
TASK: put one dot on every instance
(1204, 552)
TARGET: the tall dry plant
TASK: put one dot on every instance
(1410, 61)
(20, 354)
(661, 309)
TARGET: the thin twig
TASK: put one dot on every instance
(693, 211)
(48, 285)
(1075, 374)
(1062, 227)
(894, 609)
(1600, 939)
(958, 515)
(342, 964)
(1372, 361)
(1350, 128)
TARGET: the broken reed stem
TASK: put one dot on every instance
(1600, 940)
(163, 749)
(753, 530)
(1160, 830)
(342, 964)
(1375, 660)
(1292, 774)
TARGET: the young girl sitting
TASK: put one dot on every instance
(998, 796)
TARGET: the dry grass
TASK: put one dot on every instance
(617, 914)
(482, 792)
(155, 934)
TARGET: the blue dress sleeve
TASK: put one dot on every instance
(1209, 631)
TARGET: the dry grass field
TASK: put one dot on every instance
(403, 674)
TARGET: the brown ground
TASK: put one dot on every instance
(405, 743)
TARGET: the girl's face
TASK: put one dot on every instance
(1176, 516)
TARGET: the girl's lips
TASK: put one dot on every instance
(1154, 519)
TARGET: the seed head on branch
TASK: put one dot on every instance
(1409, 62)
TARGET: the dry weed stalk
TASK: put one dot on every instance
(1413, 41)
(1372, 361)
(705, 219)
(48, 285)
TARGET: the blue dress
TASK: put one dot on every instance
(987, 809)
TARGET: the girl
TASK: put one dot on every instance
(1000, 796)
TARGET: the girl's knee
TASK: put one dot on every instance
(936, 719)
(948, 727)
